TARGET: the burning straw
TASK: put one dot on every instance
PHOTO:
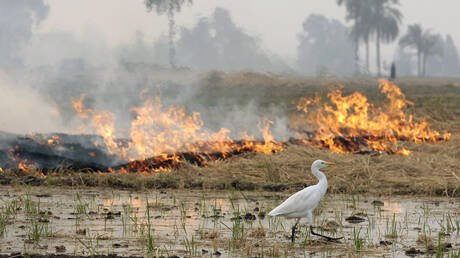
(352, 124)
(163, 138)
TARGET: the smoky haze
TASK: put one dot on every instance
(44, 72)
(22, 108)
(46, 63)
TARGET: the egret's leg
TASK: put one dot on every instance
(323, 236)
(310, 222)
(310, 218)
(293, 230)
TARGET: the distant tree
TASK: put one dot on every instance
(404, 62)
(138, 51)
(217, 42)
(358, 11)
(324, 45)
(413, 39)
(379, 17)
(362, 31)
(430, 47)
(447, 64)
(239, 49)
(353, 7)
(451, 58)
(425, 44)
(170, 7)
(386, 20)
(197, 46)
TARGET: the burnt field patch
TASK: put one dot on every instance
(266, 163)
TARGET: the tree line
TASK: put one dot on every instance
(381, 19)
(326, 44)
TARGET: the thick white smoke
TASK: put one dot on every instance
(23, 110)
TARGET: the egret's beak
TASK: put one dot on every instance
(329, 163)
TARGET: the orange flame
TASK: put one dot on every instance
(54, 140)
(161, 136)
(339, 123)
(162, 132)
(79, 107)
(269, 144)
(103, 122)
(24, 166)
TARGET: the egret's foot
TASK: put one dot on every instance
(328, 238)
(293, 230)
(293, 234)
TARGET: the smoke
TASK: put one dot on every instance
(213, 43)
(24, 111)
(17, 20)
(446, 64)
(22, 108)
(46, 71)
(218, 43)
(324, 47)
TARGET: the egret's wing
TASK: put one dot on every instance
(298, 202)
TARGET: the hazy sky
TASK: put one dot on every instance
(276, 23)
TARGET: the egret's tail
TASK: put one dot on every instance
(275, 212)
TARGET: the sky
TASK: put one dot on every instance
(276, 23)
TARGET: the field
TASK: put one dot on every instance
(402, 205)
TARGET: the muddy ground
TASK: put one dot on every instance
(231, 223)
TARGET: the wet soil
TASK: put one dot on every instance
(53, 222)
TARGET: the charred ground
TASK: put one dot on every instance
(430, 169)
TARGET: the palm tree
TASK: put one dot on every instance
(378, 17)
(413, 39)
(362, 29)
(386, 20)
(354, 13)
(430, 47)
(424, 42)
(169, 7)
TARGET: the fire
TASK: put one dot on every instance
(24, 166)
(102, 122)
(105, 127)
(156, 131)
(162, 137)
(269, 146)
(352, 124)
(54, 140)
(79, 107)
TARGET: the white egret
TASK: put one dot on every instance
(301, 204)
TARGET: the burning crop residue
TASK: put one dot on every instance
(163, 138)
(352, 124)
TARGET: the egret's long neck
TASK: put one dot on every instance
(320, 175)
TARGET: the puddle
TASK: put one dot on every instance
(218, 224)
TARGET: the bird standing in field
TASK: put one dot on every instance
(301, 204)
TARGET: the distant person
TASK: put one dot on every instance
(393, 71)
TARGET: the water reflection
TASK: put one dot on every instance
(209, 219)
(392, 207)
